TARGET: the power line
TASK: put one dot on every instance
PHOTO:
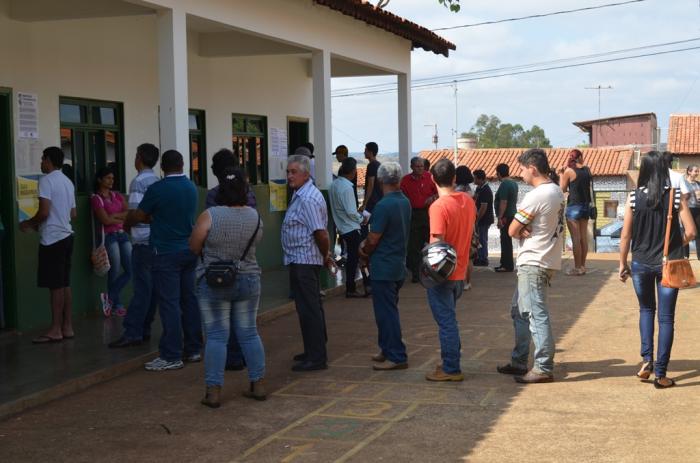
(521, 66)
(534, 16)
(530, 71)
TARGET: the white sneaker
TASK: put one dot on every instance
(159, 364)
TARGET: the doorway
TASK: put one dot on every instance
(7, 213)
(298, 133)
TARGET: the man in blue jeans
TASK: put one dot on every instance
(386, 246)
(539, 225)
(142, 308)
(170, 205)
(452, 218)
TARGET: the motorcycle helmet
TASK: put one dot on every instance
(437, 264)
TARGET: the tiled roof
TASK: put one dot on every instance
(684, 134)
(603, 162)
(419, 36)
(361, 174)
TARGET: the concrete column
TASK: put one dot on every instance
(405, 141)
(321, 75)
(172, 80)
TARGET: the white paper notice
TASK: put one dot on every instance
(28, 115)
(278, 153)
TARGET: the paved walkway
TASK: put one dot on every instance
(595, 411)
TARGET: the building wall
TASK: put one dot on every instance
(617, 132)
(115, 59)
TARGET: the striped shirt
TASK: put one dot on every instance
(307, 213)
(141, 232)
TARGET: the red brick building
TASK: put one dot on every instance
(635, 129)
(684, 138)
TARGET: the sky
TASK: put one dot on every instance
(665, 84)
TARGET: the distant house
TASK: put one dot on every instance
(684, 138)
(635, 129)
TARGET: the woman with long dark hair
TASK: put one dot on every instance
(110, 209)
(691, 177)
(229, 233)
(576, 180)
(644, 230)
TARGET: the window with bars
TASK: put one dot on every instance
(249, 139)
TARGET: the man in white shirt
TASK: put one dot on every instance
(52, 221)
(539, 225)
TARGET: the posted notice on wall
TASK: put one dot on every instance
(28, 114)
(278, 195)
(277, 162)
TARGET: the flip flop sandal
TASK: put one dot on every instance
(44, 339)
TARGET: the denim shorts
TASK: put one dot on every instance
(577, 211)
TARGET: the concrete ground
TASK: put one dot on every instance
(595, 411)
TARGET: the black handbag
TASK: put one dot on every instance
(592, 209)
(222, 273)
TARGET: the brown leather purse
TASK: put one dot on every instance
(676, 273)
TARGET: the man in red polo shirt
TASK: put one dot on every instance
(419, 188)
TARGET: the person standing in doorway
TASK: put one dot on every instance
(52, 221)
(110, 208)
(385, 247)
(505, 207)
(577, 181)
(347, 220)
(419, 188)
(539, 225)
(142, 308)
(170, 205)
(306, 248)
(483, 197)
(452, 219)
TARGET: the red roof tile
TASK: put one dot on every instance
(684, 134)
(418, 35)
(603, 162)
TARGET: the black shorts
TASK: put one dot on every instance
(54, 264)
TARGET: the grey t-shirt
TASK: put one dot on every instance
(231, 230)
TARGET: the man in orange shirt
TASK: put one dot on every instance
(452, 218)
(419, 188)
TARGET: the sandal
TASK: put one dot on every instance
(45, 339)
(574, 272)
(659, 385)
(645, 371)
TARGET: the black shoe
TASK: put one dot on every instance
(123, 342)
(353, 295)
(478, 263)
(511, 370)
(307, 365)
(501, 269)
(299, 357)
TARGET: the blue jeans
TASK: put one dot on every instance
(118, 249)
(531, 319)
(483, 253)
(142, 308)
(443, 302)
(385, 299)
(173, 280)
(647, 284)
(221, 308)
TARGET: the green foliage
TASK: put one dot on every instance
(490, 132)
(453, 5)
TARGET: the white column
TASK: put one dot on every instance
(405, 142)
(172, 80)
(321, 74)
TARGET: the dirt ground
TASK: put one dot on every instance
(596, 410)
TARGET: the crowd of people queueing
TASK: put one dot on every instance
(174, 257)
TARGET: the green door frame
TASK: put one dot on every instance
(8, 207)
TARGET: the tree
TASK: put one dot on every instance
(453, 5)
(490, 132)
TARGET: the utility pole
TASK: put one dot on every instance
(456, 122)
(435, 134)
(599, 88)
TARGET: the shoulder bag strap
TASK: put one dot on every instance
(669, 219)
(252, 238)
